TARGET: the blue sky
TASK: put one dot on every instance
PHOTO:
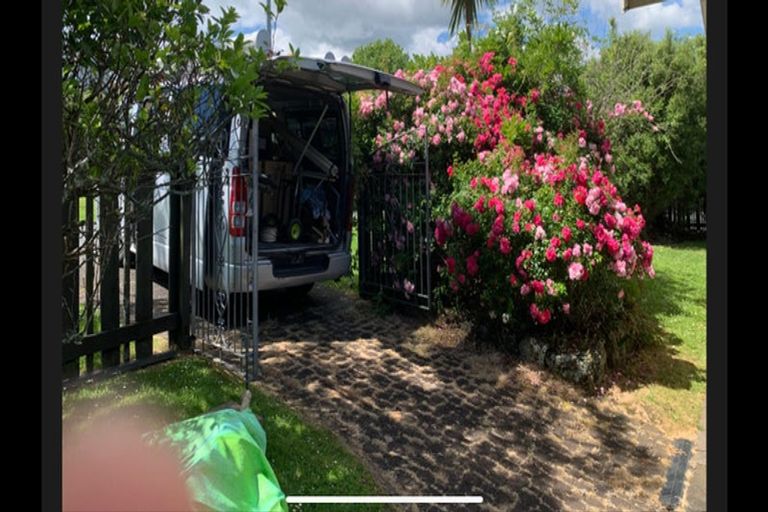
(419, 26)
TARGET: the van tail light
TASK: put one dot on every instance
(238, 203)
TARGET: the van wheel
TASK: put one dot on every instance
(299, 292)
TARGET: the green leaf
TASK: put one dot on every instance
(143, 89)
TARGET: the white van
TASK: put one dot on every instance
(305, 189)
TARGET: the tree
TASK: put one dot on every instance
(137, 79)
(383, 54)
(465, 11)
(666, 166)
(134, 75)
(420, 61)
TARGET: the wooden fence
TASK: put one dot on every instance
(98, 234)
(687, 218)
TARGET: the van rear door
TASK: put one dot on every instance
(333, 76)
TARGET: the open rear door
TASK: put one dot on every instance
(341, 77)
(394, 209)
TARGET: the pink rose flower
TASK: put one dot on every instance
(479, 205)
(551, 254)
(472, 267)
(504, 245)
(451, 263)
(575, 271)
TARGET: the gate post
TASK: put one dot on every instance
(252, 360)
(144, 253)
(179, 264)
(185, 301)
(110, 282)
(428, 222)
(90, 254)
(362, 237)
(70, 289)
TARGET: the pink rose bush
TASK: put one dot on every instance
(542, 241)
(461, 113)
(528, 222)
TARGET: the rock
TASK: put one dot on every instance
(581, 367)
(534, 351)
(585, 367)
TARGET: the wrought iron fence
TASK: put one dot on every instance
(395, 236)
(686, 218)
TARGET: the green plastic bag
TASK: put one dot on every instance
(224, 463)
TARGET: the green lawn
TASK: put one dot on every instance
(349, 282)
(670, 378)
(306, 459)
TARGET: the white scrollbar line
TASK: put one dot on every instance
(384, 499)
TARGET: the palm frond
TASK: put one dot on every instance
(465, 12)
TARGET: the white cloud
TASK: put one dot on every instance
(425, 42)
(341, 26)
(655, 18)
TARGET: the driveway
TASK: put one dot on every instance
(430, 413)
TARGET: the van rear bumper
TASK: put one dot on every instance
(234, 278)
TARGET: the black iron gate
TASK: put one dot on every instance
(222, 267)
(395, 235)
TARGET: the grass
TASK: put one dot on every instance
(83, 209)
(669, 379)
(307, 460)
(349, 282)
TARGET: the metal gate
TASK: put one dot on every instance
(222, 252)
(395, 235)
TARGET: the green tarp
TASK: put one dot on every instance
(225, 468)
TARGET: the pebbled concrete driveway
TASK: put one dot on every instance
(430, 414)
